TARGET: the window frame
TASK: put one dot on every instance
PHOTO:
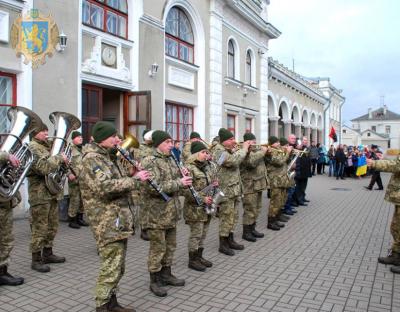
(231, 56)
(106, 8)
(233, 130)
(14, 88)
(248, 119)
(176, 123)
(249, 68)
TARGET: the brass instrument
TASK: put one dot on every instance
(291, 172)
(64, 124)
(214, 191)
(23, 121)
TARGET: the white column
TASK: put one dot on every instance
(263, 78)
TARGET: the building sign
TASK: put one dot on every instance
(34, 36)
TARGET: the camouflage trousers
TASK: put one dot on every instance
(251, 207)
(395, 229)
(228, 216)
(44, 224)
(162, 248)
(6, 235)
(112, 268)
(75, 201)
(198, 233)
(277, 201)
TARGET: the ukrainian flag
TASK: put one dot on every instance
(362, 166)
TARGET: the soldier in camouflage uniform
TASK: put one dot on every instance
(253, 174)
(392, 195)
(75, 209)
(196, 216)
(43, 204)
(278, 181)
(6, 225)
(160, 217)
(230, 185)
(105, 189)
(194, 137)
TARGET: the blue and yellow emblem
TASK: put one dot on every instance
(34, 36)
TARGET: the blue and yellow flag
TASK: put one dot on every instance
(362, 166)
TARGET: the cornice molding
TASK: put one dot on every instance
(17, 5)
(152, 21)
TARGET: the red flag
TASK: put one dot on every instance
(333, 135)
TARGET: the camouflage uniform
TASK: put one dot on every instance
(43, 204)
(105, 190)
(278, 181)
(253, 174)
(160, 217)
(186, 151)
(143, 151)
(230, 184)
(75, 200)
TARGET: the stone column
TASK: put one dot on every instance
(297, 131)
(307, 134)
(314, 135)
(263, 78)
(273, 121)
(287, 128)
(320, 138)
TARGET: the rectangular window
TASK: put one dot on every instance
(231, 66)
(231, 124)
(179, 49)
(178, 121)
(249, 125)
(373, 128)
(8, 97)
(387, 129)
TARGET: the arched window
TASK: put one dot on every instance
(231, 59)
(248, 68)
(179, 40)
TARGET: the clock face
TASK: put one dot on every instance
(108, 56)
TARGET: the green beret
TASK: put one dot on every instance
(75, 134)
(103, 130)
(272, 140)
(144, 132)
(283, 141)
(195, 135)
(248, 136)
(159, 136)
(224, 135)
(197, 147)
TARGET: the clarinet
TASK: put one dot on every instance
(195, 195)
(134, 163)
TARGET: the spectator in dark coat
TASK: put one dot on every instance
(303, 172)
(341, 159)
(375, 154)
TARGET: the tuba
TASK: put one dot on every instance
(291, 172)
(23, 121)
(64, 124)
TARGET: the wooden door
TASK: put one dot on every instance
(92, 109)
(137, 112)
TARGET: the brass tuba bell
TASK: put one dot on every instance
(129, 142)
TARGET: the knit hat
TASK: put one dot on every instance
(195, 135)
(103, 130)
(248, 136)
(159, 136)
(144, 132)
(283, 141)
(272, 140)
(197, 147)
(224, 135)
(38, 129)
(75, 134)
(147, 136)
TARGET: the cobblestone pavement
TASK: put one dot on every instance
(324, 260)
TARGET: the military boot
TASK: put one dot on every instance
(392, 258)
(49, 257)
(206, 263)
(395, 269)
(73, 223)
(114, 306)
(224, 246)
(81, 221)
(168, 279)
(255, 232)
(144, 235)
(272, 225)
(283, 218)
(232, 244)
(7, 279)
(156, 285)
(194, 262)
(247, 233)
(37, 263)
(103, 308)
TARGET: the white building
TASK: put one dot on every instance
(350, 137)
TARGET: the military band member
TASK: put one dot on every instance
(392, 195)
(160, 217)
(195, 216)
(230, 185)
(253, 174)
(194, 137)
(105, 189)
(6, 227)
(75, 209)
(43, 204)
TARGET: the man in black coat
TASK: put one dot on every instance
(341, 158)
(303, 172)
(376, 175)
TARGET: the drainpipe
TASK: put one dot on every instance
(325, 110)
(340, 121)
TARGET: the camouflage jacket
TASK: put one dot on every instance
(229, 172)
(156, 213)
(42, 165)
(105, 189)
(17, 197)
(393, 189)
(143, 151)
(277, 167)
(186, 151)
(202, 177)
(3, 158)
(253, 172)
(76, 159)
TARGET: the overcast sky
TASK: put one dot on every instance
(354, 42)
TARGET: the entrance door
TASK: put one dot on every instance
(92, 109)
(137, 112)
